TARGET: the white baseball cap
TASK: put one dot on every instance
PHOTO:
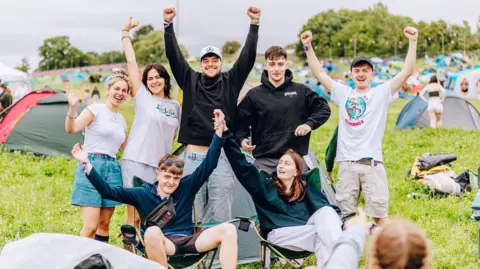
(210, 50)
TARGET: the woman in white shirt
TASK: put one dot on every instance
(105, 133)
(156, 120)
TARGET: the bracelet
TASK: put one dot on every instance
(306, 48)
(71, 117)
(126, 36)
(125, 30)
(84, 166)
(255, 22)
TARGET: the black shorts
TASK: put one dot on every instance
(184, 244)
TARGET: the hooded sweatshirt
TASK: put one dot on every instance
(273, 113)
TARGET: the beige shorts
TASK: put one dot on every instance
(372, 180)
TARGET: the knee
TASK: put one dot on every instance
(104, 224)
(228, 230)
(153, 235)
(90, 227)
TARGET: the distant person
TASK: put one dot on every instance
(362, 120)
(435, 102)
(105, 134)
(95, 96)
(6, 98)
(280, 113)
(478, 89)
(464, 87)
(86, 95)
(202, 93)
(156, 121)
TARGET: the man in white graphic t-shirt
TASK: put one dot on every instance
(362, 120)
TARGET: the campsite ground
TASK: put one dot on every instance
(36, 192)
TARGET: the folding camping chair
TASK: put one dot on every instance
(198, 260)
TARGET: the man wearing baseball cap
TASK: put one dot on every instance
(202, 93)
(362, 119)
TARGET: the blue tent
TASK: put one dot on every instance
(330, 67)
(322, 93)
(457, 113)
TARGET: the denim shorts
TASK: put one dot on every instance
(84, 194)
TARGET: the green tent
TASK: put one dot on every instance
(36, 123)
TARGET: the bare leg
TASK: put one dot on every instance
(91, 217)
(439, 119)
(133, 218)
(157, 246)
(104, 222)
(433, 119)
(381, 221)
(225, 235)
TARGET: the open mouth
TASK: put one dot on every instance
(118, 97)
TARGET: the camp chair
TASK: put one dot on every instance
(198, 260)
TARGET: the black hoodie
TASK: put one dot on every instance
(275, 113)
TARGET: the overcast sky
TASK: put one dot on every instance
(95, 25)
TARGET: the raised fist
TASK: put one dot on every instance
(411, 33)
(169, 14)
(306, 38)
(130, 25)
(254, 13)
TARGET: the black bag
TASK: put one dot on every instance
(96, 261)
(162, 215)
(428, 162)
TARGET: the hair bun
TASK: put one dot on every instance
(119, 71)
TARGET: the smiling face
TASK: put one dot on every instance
(211, 66)
(286, 168)
(361, 75)
(118, 92)
(155, 82)
(167, 182)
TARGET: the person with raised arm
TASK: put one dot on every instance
(156, 121)
(362, 120)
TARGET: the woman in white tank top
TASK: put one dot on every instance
(155, 124)
(105, 133)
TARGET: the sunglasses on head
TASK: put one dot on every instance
(168, 162)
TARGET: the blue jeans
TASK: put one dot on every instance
(84, 194)
(213, 202)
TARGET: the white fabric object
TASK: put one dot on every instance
(435, 105)
(144, 171)
(443, 181)
(8, 73)
(155, 124)
(61, 251)
(362, 120)
(106, 133)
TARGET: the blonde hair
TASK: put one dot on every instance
(118, 74)
(400, 245)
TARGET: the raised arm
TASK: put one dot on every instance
(315, 66)
(244, 121)
(247, 174)
(244, 64)
(133, 72)
(73, 123)
(412, 34)
(180, 68)
(123, 195)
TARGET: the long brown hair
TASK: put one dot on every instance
(399, 245)
(298, 188)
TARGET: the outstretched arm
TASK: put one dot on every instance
(315, 66)
(133, 72)
(408, 68)
(180, 68)
(244, 64)
(119, 194)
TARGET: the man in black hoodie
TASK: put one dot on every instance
(280, 112)
(202, 93)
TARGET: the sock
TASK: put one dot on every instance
(101, 238)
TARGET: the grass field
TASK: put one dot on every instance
(35, 192)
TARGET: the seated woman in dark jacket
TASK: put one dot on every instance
(292, 213)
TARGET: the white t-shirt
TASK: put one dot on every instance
(106, 133)
(362, 120)
(155, 124)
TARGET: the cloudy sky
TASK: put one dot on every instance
(95, 25)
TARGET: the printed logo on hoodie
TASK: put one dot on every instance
(290, 94)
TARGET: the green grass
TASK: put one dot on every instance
(35, 194)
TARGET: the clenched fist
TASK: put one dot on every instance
(169, 14)
(411, 33)
(306, 38)
(130, 25)
(254, 13)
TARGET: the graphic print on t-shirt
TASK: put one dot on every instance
(169, 112)
(356, 107)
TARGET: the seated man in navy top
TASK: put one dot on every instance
(177, 236)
